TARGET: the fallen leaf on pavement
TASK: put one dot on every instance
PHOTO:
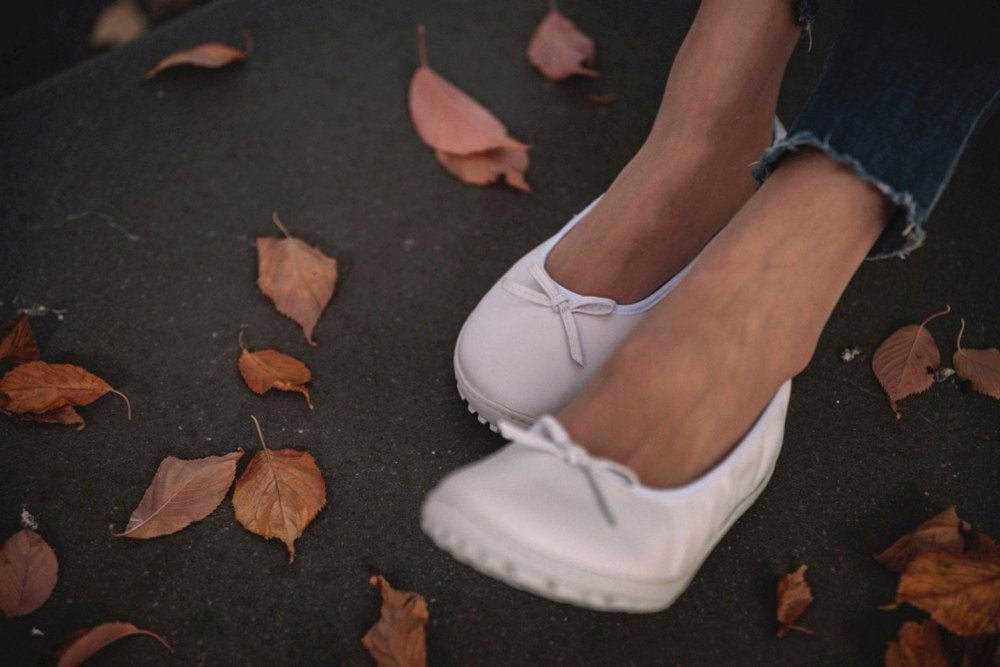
(905, 361)
(209, 56)
(119, 23)
(960, 591)
(20, 343)
(28, 571)
(39, 387)
(939, 533)
(397, 640)
(794, 596)
(182, 492)
(279, 494)
(919, 645)
(558, 49)
(64, 415)
(89, 641)
(269, 369)
(297, 277)
(980, 367)
(468, 140)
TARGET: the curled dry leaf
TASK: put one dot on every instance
(941, 532)
(182, 492)
(919, 645)
(794, 595)
(20, 343)
(558, 49)
(209, 56)
(397, 640)
(297, 277)
(38, 387)
(468, 140)
(89, 641)
(28, 572)
(905, 361)
(119, 23)
(279, 494)
(269, 369)
(64, 415)
(980, 367)
(960, 591)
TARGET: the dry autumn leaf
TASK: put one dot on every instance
(397, 640)
(558, 49)
(960, 591)
(89, 641)
(28, 572)
(269, 369)
(941, 532)
(468, 140)
(279, 494)
(209, 56)
(64, 415)
(119, 23)
(20, 343)
(902, 361)
(980, 367)
(182, 492)
(297, 277)
(38, 387)
(919, 645)
(794, 595)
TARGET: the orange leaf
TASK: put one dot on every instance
(20, 343)
(488, 166)
(89, 641)
(40, 387)
(559, 50)
(939, 533)
(794, 596)
(397, 640)
(980, 367)
(959, 591)
(64, 415)
(919, 646)
(269, 369)
(211, 56)
(181, 493)
(902, 361)
(297, 277)
(119, 23)
(28, 571)
(279, 494)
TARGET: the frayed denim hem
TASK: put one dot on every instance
(907, 224)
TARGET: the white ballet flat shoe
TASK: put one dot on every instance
(531, 345)
(544, 516)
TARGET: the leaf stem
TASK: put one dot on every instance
(242, 346)
(947, 309)
(260, 434)
(421, 45)
(280, 224)
(127, 403)
(958, 343)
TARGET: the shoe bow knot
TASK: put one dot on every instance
(550, 437)
(564, 306)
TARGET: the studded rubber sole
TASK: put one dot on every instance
(487, 412)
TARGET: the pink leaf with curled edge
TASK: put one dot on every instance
(902, 361)
(28, 573)
(89, 641)
(486, 167)
(208, 56)
(559, 50)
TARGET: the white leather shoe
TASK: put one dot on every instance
(531, 345)
(544, 516)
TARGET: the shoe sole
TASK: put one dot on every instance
(487, 412)
(471, 541)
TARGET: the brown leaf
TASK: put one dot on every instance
(980, 367)
(28, 572)
(119, 23)
(269, 369)
(210, 56)
(794, 596)
(182, 492)
(64, 415)
(20, 343)
(960, 591)
(297, 277)
(902, 361)
(397, 640)
(939, 533)
(279, 493)
(89, 641)
(40, 387)
(558, 49)
(919, 646)
(486, 167)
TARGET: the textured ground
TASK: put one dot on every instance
(133, 209)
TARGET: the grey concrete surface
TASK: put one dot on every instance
(132, 210)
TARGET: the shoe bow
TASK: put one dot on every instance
(548, 435)
(564, 306)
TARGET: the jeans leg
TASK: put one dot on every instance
(903, 88)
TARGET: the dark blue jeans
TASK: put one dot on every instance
(905, 85)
